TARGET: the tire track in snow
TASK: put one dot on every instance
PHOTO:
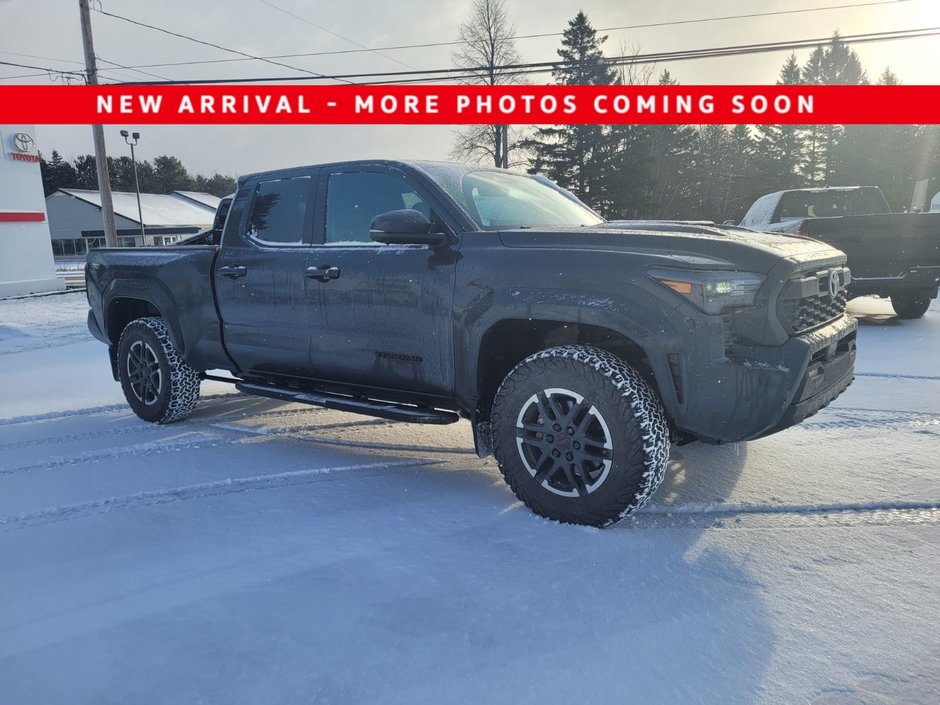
(156, 447)
(122, 406)
(203, 437)
(865, 409)
(721, 508)
(89, 411)
(717, 515)
(891, 375)
(191, 424)
(74, 437)
(885, 423)
(196, 491)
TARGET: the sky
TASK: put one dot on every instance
(47, 33)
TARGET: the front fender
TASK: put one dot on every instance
(634, 313)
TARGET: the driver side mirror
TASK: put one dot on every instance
(405, 227)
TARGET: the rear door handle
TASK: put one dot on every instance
(323, 272)
(233, 272)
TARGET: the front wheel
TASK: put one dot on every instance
(910, 304)
(158, 384)
(579, 435)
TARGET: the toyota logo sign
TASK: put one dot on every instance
(833, 283)
(23, 142)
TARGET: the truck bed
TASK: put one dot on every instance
(175, 280)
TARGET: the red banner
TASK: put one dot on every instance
(450, 104)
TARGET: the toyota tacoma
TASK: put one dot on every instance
(578, 350)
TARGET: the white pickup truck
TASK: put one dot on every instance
(894, 255)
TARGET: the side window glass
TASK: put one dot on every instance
(279, 211)
(353, 199)
(221, 214)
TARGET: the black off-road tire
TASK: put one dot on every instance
(545, 387)
(910, 304)
(158, 384)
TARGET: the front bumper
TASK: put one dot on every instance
(751, 392)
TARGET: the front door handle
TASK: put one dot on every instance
(233, 272)
(323, 272)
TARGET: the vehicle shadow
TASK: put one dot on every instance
(435, 581)
(513, 608)
(701, 473)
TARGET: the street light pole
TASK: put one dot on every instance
(140, 214)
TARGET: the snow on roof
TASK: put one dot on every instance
(206, 199)
(158, 209)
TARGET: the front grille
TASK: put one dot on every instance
(815, 310)
(807, 303)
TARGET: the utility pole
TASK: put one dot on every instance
(97, 131)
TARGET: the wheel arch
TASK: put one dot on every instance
(121, 310)
(509, 341)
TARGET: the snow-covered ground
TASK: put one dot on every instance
(263, 552)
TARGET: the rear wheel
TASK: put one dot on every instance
(910, 304)
(158, 384)
(579, 435)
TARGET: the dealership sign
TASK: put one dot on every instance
(22, 147)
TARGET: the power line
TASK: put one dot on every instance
(22, 75)
(520, 69)
(363, 47)
(46, 58)
(40, 68)
(135, 70)
(531, 36)
(209, 44)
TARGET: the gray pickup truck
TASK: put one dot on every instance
(579, 350)
(894, 255)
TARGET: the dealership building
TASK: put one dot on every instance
(26, 266)
(75, 224)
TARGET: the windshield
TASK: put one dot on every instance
(499, 200)
(795, 205)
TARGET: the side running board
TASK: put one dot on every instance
(382, 409)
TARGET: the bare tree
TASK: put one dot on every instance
(487, 48)
(629, 71)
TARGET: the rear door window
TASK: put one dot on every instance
(279, 212)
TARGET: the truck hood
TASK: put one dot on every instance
(692, 244)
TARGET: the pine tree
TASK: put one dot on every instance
(834, 64)
(86, 173)
(780, 148)
(743, 187)
(674, 155)
(888, 78)
(217, 184)
(885, 156)
(56, 173)
(628, 182)
(171, 175)
(574, 155)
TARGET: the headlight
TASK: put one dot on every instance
(711, 291)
